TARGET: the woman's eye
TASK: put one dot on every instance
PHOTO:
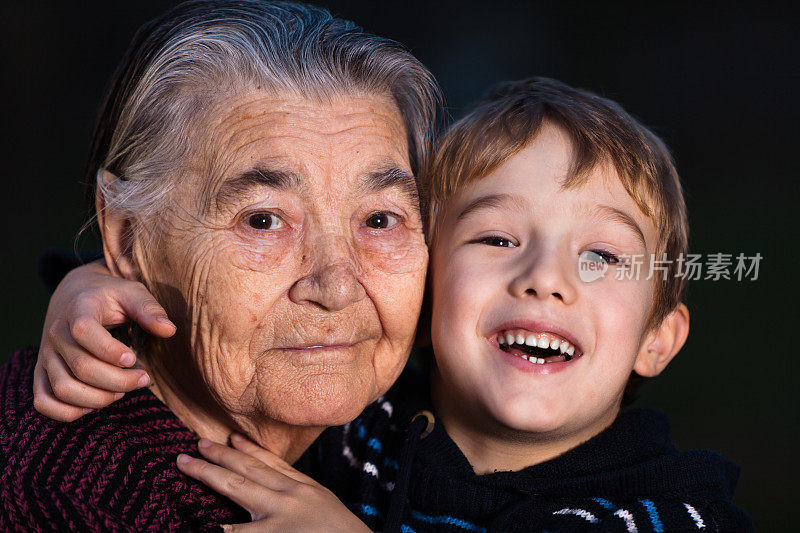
(599, 256)
(381, 221)
(498, 241)
(264, 221)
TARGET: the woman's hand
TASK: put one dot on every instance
(80, 366)
(278, 497)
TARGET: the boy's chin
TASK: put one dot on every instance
(549, 421)
(533, 420)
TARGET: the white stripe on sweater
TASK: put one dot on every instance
(579, 512)
(359, 465)
(698, 520)
(628, 517)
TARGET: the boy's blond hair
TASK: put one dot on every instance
(509, 118)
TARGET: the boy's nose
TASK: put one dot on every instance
(543, 277)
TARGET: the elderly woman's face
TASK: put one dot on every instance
(295, 253)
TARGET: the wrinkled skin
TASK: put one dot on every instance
(291, 259)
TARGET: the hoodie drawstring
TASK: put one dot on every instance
(421, 426)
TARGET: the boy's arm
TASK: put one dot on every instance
(81, 366)
(278, 497)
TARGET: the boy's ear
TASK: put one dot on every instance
(662, 343)
(116, 233)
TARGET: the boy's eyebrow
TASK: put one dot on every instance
(617, 215)
(258, 176)
(492, 201)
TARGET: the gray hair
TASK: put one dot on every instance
(180, 61)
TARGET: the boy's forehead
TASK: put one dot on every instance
(537, 179)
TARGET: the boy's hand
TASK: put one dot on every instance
(80, 366)
(278, 497)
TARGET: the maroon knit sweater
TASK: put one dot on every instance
(112, 470)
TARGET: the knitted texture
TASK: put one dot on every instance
(628, 478)
(112, 470)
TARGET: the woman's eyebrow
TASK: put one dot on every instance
(233, 189)
(493, 201)
(392, 177)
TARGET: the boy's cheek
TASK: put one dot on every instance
(619, 309)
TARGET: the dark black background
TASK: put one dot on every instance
(718, 83)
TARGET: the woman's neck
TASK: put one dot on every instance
(194, 407)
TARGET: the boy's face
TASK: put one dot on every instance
(505, 267)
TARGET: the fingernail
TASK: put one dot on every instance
(144, 380)
(127, 359)
(183, 459)
(118, 395)
(87, 411)
(165, 320)
(237, 438)
(203, 443)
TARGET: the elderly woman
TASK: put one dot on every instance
(254, 169)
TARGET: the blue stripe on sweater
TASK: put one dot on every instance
(369, 510)
(449, 520)
(374, 444)
(605, 503)
(658, 527)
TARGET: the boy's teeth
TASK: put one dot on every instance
(530, 340)
(543, 342)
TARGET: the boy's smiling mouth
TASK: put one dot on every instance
(537, 347)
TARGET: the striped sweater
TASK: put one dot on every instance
(112, 470)
(628, 478)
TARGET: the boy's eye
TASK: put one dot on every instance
(381, 221)
(600, 256)
(497, 241)
(264, 221)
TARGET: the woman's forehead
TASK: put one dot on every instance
(322, 142)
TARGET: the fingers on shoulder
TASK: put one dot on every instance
(46, 403)
(68, 389)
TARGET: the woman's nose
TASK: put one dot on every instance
(544, 275)
(333, 283)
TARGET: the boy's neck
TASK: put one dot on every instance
(489, 446)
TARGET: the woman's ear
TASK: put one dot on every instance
(661, 344)
(115, 230)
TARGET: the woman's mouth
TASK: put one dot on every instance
(538, 348)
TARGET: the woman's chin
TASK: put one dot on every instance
(322, 401)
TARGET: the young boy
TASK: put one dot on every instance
(547, 204)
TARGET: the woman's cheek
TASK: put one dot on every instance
(392, 271)
(263, 255)
(400, 251)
